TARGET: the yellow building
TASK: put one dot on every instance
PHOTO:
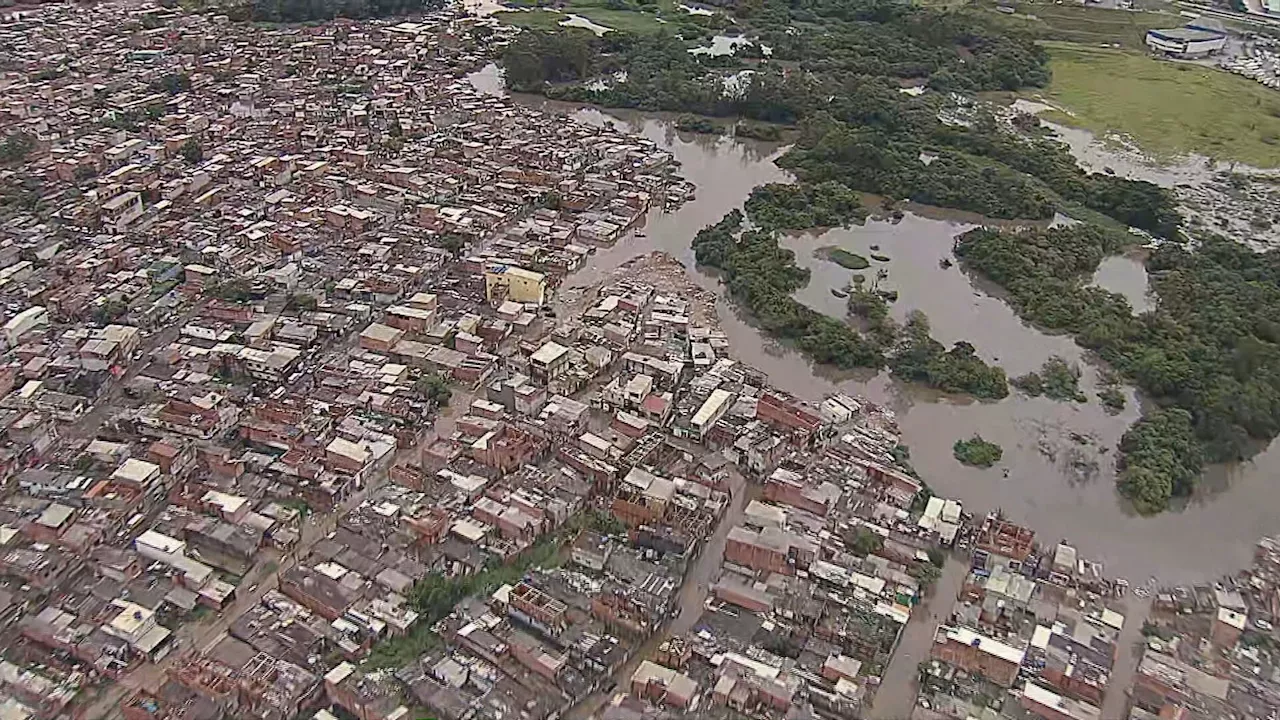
(520, 285)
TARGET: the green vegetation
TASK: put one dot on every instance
(601, 521)
(627, 16)
(977, 452)
(919, 358)
(801, 207)
(191, 151)
(1056, 380)
(110, 311)
(298, 504)
(1087, 25)
(539, 57)
(236, 290)
(855, 127)
(698, 124)
(16, 147)
(302, 301)
(433, 388)
(1208, 354)
(540, 19)
(454, 243)
(844, 258)
(173, 83)
(757, 131)
(761, 276)
(435, 595)
(1168, 108)
(1112, 399)
(925, 573)
(1161, 459)
(863, 542)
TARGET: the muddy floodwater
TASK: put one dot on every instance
(1059, 457)
(1127, 276)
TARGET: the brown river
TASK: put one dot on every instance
(1057, 474)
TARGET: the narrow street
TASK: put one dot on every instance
(897, 694)
(88, 425)
(1128, 652)
(689, 601)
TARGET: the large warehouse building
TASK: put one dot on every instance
(1198, 38)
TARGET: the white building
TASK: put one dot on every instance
(24, 322)
(1198, 38)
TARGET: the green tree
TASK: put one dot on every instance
(238, 290)
(16, 147)
(977, 452)
(863, 542)
(191, 151)
(433, 388)
(302, 301)
(454, 243)
(1056, 380)
(109, 312)
(173, 83)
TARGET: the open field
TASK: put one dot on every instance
(1087, 25)
(1168, 108)
(538, 19)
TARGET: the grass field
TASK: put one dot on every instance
(1169, 109)
(1087, 25)
(538, 19)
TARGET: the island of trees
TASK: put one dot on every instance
(977, 452)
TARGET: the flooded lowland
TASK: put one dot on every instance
(1215, 196)
(1058, 473)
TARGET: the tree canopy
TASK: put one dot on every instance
(1208, 354)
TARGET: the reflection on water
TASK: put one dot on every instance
(1127, 276)
(958, 307)
(1060, 456)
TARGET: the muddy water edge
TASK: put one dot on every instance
(1058, 471)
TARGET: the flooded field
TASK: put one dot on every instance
(1215, 196)
(1058, 456)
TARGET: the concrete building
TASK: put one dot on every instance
(974, 652)
(24, 322)
(508, 282)
(664, 686)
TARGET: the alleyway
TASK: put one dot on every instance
(896, 696)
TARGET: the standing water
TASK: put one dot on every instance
(1059, 456)
(1126, 275)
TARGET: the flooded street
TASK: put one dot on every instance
(896, 696)
(1059, 456)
